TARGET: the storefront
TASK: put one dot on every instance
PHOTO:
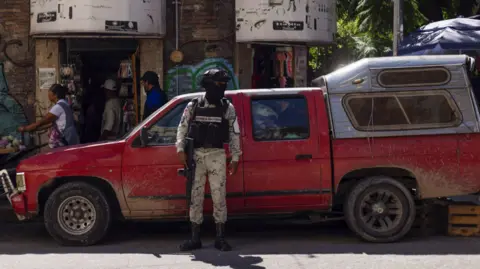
(276, 35)
(81, 43)
(85, 64)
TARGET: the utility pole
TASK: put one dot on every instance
(397, 25)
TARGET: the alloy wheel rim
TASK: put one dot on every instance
(381, 210)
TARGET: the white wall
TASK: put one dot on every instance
(311, 21)
(132, 17)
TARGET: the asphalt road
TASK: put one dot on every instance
(257, 244)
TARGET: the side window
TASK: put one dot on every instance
(164, 131)
(411, 77)
(402, 111)
(280, 118)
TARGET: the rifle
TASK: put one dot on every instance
(188, 171)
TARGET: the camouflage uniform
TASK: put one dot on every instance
(211, 162)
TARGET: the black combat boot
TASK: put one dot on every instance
(194, 242)
(220, 242)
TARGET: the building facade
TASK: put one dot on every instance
(80, 43)
(262, 43)
(17, 69)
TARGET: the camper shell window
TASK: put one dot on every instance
(390, 111)
(411, 77)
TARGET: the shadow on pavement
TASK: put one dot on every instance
(232, 260)
(248, 238)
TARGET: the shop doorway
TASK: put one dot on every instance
(272, 67)
(85, 69)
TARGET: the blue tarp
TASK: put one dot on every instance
(443, 37)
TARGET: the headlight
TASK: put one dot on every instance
(20, 179)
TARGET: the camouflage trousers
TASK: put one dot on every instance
(211, 163)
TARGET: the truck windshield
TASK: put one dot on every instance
(149, 118)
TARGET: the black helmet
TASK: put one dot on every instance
(214, 75)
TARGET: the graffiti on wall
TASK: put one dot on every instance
(14, 54)
(12, 114)
(13, 50)
(187, 77)
(5, 50)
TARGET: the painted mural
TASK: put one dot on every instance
(11, 112)
(188, 77)
(16, 54)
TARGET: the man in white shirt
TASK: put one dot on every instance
(112, 115)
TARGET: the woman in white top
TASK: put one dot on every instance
(59, 118)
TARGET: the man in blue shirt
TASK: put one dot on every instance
(156, 98)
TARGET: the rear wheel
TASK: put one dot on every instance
(77, 214)
(380, 209)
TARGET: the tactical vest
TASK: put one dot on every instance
(208, 127)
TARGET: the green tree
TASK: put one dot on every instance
(364, 27)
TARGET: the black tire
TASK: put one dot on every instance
(86, 195)
(403, 221)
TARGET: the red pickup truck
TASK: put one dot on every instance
(374, 138)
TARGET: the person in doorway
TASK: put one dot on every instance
(59, 118)
(156, 97)
(112, 115)
(214, 123)
(94, 105)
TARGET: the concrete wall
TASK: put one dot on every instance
(46, 56)
(17, 89)
(243, 65)
(151, 59)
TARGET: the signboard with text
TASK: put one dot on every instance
(306, 21)
(140, 17)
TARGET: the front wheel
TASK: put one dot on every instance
(77, 214)
(380, 210)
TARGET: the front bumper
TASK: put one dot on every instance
(15, 197)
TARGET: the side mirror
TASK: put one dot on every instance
(144, 137)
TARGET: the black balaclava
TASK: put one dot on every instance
(215, 93)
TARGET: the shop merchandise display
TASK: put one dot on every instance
(126, 92)
(125, 70)
(71, 79)
(128, 116)
(78, 75)
(10, 144)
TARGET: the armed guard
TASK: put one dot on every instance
(211, 121)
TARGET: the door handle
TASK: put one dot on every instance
(303, 157)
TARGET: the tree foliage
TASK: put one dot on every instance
(364, 27)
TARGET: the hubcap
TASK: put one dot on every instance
(76, 215)
(378, 208)
(381, 210)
